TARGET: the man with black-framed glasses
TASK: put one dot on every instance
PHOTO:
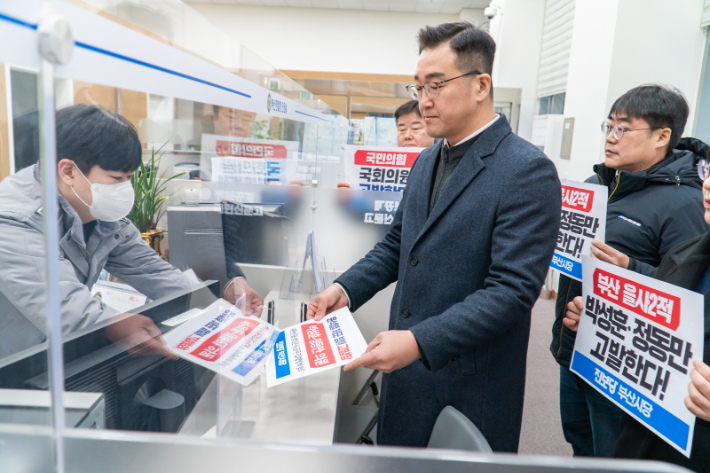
(469, 249)
(655, 202)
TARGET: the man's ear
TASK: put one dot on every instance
(664, 136)
(484, 86)
(67, 172)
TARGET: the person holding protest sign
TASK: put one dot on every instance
(469, 248)
(654, 203)
(688, 266)
(411, 130)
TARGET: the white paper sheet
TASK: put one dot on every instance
(311, 347)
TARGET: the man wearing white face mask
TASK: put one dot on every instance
(97, 153)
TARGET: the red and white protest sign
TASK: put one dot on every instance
(379, 168)
(225, 341)
(247, 160)
(576, 198)
(655, 305)
(636, 342)
(312, 347)
(251, 150)
(582, 220)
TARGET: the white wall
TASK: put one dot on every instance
(325, 40)
(671, 45)
(588, 83)
(618, 45)
(518, 34)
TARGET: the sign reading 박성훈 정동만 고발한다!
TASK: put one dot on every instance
(311, 347)
(379, 168)
(636, 341)
(583, 219)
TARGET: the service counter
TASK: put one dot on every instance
(302, 411)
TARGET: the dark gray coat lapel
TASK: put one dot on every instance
(424, 190)
(470, 166)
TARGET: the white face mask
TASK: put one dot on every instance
(109, 202)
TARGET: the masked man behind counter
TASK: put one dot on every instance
(97, 152)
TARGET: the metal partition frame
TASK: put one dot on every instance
(113, 452)
(25, 448)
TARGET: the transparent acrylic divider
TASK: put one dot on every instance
(158, 67)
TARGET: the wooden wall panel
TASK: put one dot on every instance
(134, 105)
(95, 94)
(347, 76)
(4, 127)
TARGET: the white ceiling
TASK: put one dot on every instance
(419, 6)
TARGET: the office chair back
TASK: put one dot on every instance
(454, 431)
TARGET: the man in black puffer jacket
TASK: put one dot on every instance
(655, 202)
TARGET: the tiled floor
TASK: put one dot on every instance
(542, 431)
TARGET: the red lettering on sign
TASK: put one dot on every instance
(251, 150)
(320, 353)
(662, 308)
(220, 343)
(577, 199)
(396, 159)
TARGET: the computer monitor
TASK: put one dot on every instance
(149, 393)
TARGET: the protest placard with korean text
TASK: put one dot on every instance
(247, 160)
(583, 219)
(636, 341)
(379, 168)
(224, 341)
(311, 347)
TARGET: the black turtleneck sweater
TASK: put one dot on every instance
(449, 159)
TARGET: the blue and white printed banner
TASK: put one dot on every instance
(247, 160)
(583, 219)
(636, 341)
(225, 341)
(311, 347)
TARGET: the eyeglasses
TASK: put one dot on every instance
(703, 170)
(618, 129)
(432, 88)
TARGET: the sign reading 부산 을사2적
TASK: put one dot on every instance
(311, 347)
(379, 168)
(636, 341)
(583, 219)
(225, 341)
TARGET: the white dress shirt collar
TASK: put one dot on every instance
(475, 133)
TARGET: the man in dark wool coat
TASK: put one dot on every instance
(469, 248)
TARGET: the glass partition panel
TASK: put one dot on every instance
(24, 325)
(170, 204)
(189, 174)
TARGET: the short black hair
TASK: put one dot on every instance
(475, 48)
(92, 136)
(406, 108)
(660, 106)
